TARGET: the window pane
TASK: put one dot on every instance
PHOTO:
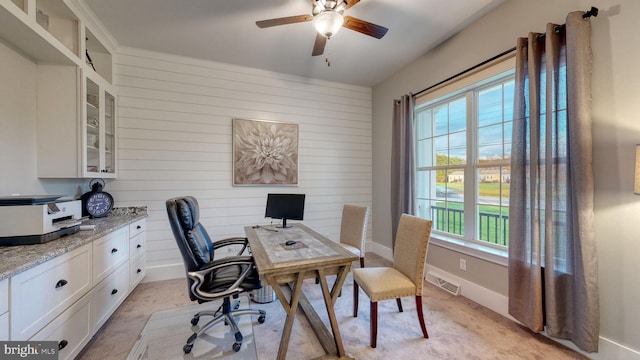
(490, 143)
(441, 119)
(424, 156)
(458, 148)
(442, 150)
(423, 119)
(490, 105)
(458, 115)
(493, 204)
(508, 100)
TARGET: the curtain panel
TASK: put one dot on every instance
(552, 253)
(402, 161)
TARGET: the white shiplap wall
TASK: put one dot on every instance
(174, 129)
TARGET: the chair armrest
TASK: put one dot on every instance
(232, 241)
(199, 276)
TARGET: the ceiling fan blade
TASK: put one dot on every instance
(351, 3)
(284, 20)
(318, 46)
(364, 27)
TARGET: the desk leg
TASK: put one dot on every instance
(330, 300)
(290, 308)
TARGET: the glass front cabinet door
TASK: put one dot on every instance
(100, 129)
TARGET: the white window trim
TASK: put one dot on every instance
(475, 249)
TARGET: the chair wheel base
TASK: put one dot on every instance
(237, 346)
(261, 319)
(187, 348)
(195, 320)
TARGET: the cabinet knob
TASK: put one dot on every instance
(139, 246)
(62, 344)
(61, 283)
(114, 250)
(138, 227)
(114, 291)
(139, 271)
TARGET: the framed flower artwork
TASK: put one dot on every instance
(265, 153)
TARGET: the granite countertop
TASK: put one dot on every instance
(16, 259)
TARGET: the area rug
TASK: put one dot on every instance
(166, 332)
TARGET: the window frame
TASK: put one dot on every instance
(469, 85)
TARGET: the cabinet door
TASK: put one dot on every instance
(100, 128)
(40, 294)
(109, 133)
(72, 329)
(93, 127)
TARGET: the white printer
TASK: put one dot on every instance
(37, 219)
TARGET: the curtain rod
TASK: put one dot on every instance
(591, 12)
(466, 71)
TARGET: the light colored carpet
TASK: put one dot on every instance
(458, 328)
(166, 332)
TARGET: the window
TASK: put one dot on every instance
(462, 147)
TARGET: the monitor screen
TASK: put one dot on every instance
(285, 207)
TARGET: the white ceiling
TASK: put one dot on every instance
(225, 31)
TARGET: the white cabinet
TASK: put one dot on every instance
(4, 310)
(109, 252)
(45, 30)
(74, 140)
(99, 128)
(72, 330)
(69, 297)
(40, 294)
(137, 240)
(76, 128)
(108, 295)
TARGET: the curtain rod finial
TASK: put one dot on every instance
(592, 12)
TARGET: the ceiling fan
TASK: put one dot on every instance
(327, 16)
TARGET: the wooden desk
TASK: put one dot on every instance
(313, 256)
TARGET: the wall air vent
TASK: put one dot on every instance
(443, 284)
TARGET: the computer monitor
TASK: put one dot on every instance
(285, 207)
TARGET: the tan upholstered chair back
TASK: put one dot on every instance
(410, 251)
(353, 229)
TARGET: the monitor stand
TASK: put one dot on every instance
(284, 224)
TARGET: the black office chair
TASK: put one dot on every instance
(211, 278)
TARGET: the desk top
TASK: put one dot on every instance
(311, 250)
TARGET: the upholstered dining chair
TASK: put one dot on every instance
(211, 277)
(405, 278)
(353, 229)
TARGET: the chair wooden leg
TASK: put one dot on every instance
(399, 302)
(374, 323)
(355, 299)
(361, 262)
(421, 316)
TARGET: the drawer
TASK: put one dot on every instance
(136, 272)
(72, 330)
(4, 296)
(137, 227)
(108, 295)
(4, 327)
(137, 245)
(40, 294)
(109, 252)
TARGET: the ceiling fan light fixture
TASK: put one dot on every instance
(328, 23)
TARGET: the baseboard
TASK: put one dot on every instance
(607, 349)
(164, 272)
